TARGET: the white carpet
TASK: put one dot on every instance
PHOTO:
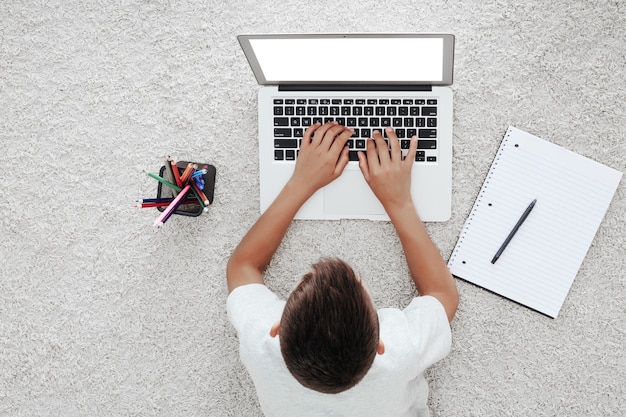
(100, 316)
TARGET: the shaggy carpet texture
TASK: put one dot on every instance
(102, 316)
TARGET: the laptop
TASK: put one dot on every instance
(366, 82)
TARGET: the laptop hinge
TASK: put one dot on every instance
(353, 87)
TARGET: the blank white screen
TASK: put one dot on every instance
(350, 59)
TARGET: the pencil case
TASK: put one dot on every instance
(192, 210)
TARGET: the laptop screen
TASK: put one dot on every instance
(328, 59)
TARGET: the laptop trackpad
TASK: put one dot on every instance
(350, 195)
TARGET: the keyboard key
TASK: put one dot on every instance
(431, 159)
(311, 111)
(397, 122)
(278, 101)
(295, 121)
(431, 102)
(325, 101)
(405, 144)
(278, 111)
(290, 155)
(300, 110)
(336, 101)
(353, 155)
(363, 121)
(360, 144)
(279, 155)
(431, 122)
(290, 101)
(360, 101)
(285, 143)
(372, 101)
(426, 144)
(427, 133)
(429, 111)
(282, 133)
(281, 121)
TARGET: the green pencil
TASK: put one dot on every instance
(163, 181)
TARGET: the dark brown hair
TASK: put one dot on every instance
(329, 329)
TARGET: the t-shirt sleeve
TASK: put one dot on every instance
(253, 301)
(428, 330)
(418, 336)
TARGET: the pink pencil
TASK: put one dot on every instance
(172, 206)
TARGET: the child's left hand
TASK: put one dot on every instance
(323, 156)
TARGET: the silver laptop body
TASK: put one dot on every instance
(397, 80)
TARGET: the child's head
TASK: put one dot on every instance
(329, 333)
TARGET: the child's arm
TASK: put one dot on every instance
(320, 161)
(389, 177)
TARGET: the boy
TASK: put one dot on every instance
(327, 351)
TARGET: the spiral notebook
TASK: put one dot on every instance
(539, 265)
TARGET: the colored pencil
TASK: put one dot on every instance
(176, 173)
(200, 194)
(164, 204)
(162, 200)
(199, 173)
(187, 173)
(172, 207)
(163, 180)
(170, 172)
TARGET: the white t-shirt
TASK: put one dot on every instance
(414, 339)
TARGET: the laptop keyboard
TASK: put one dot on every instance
(407, 116)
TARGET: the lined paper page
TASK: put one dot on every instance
(540, 263)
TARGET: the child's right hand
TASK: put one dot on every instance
(386, 172)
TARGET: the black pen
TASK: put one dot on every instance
(515, 229)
